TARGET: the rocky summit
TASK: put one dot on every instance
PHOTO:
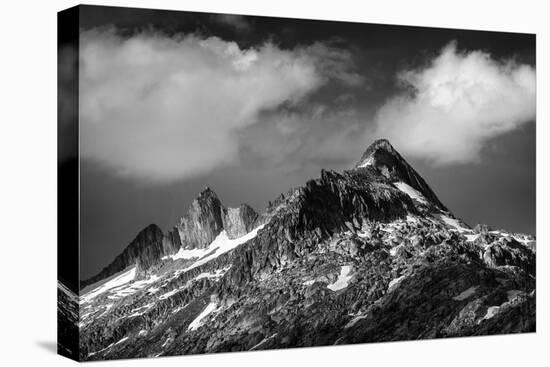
(366, 255)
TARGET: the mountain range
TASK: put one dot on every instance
(366, 255)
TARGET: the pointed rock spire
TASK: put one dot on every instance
(239, 221)
(202, 223)
(382, 157)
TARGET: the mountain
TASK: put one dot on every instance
(366, 255)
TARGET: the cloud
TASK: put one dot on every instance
(67, 102)
(455, 104)
(314, 135)
(163, 108)
(238, 22)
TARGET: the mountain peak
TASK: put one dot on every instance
(383, 158)
(381, 143)
(207, 192)
(202, 222)
(379, 146)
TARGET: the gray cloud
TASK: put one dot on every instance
(162, 108)
(238, 22)
(455, 104)
(313, 135)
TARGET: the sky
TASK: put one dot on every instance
(171, 102)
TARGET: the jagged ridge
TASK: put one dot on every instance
(204, 221)
(346, 258)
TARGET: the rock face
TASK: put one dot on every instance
(67, 327)
(349, 257)
(383, 157)
(203, 221)
(239, 221)
(144, 251)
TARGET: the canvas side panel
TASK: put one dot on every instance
(67, 183)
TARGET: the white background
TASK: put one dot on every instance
(28, 182)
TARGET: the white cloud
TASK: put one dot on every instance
(455, 104)
(163, 108)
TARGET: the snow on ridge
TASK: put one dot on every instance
(412, 192)
(524, 240)
(119, 286)
(367, 162)
(454, 223)
(116, 280)
(185, 254)
(197, 322)
(220, 246)
(343, 279)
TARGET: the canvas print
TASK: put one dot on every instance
(235, 183)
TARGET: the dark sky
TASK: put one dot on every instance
(283, 98)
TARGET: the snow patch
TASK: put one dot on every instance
(513, 294)
(119, 285)
(109, 346)
(367, 162)
(215, 275)
(343, 279)
(471, 237)
(491, 312)
(179, 308)
(102, 350)
(523, 240)
(153, 290)
(219, 246)
(393, 250)
(116, 280)
(167, 342)
(208, 275)
(454, 223)
(263, 342)
(66, 290)
(186, 254)
(195, 324)
(354, 321)
(413, 193)
(172, 292)
(395, 282)
(385, 172)
(466, 294)
(121, 340)
(140, 310)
